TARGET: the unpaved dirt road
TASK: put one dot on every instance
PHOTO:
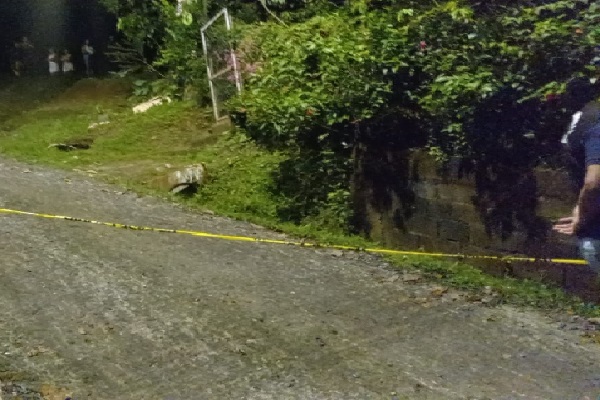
(117, 314)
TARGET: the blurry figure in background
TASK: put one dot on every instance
(53, 66)
(22, 56)
(67, 64)
(16, 59)
(26, 54)
(87, 51)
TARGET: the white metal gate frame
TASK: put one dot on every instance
(209, 67)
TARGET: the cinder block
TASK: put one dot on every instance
(555, 184)
(515, 243)
(423, 167)
(423, 224)
(453, 230)
(553, 208)
(455, 193)
(426, 190)
(442, 210)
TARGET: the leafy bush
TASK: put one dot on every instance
(339, 67)
(164, 45)
(312, 88)
(438, 65)
(338, 74)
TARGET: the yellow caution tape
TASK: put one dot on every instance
(295, 243)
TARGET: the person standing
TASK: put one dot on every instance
(87, 51)
(27, 49)
(17, 59)
(53, 66)
(67, 63)
(583, 141)
(22, 56)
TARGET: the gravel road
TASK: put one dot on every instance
(116, 314)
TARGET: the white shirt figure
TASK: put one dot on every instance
(87, 51)
(67, 64)
(53, 66)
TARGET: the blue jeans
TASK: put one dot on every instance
(590, 251)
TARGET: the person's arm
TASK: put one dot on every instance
(587, 209)
(589, 198)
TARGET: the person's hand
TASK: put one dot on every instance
(568, 225)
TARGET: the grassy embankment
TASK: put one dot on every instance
(132, 150)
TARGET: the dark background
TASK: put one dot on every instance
(60, 24)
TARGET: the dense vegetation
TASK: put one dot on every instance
(470, 79)
(132, 151)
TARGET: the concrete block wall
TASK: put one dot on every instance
(433, 210)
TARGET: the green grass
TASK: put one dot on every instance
(133, 149)
(509, 290)
(18, 96)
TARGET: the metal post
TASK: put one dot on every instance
(236, 72)
(209, 67)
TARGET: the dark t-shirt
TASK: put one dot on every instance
(592, 146)
(584, 143)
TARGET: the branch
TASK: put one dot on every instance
(129, 57)
(271, 13)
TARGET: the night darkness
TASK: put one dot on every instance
(61, 24)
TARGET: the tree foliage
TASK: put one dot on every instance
(440, 73)
(444, 74)
(440, 60)
(159, 38)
